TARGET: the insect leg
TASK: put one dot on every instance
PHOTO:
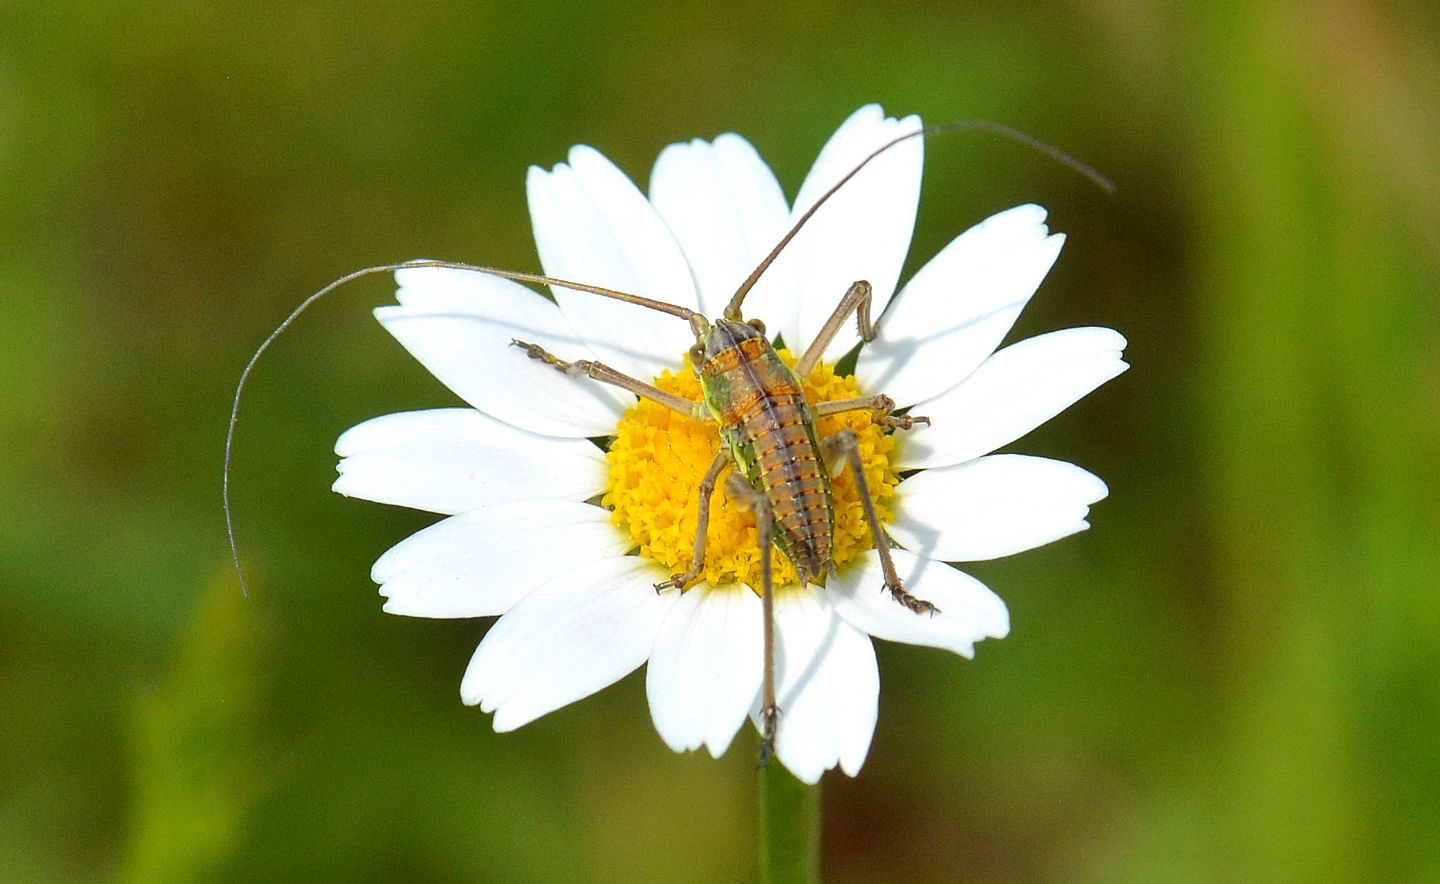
(856, 299)
(707, 489)
(605, 374)
(739, 490)
(882, 405)
(845, 443)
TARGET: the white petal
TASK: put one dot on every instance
(1010, 394)
(967, 610)
(704, 673)
(863, 232)
(827, 687)
(480, 563)
(460, 324)
(957, 309)
(567, 639)
(993, 506)
(725, 208)
(449, 460)
(592, 225)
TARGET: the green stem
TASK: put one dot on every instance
(789, 827)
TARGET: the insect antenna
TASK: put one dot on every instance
(732, 309)
(672, 309)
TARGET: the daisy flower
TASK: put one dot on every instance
(568, 500)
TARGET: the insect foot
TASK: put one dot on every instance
(910, 602)
(769, 719)
(535, 351)
(885, 415)
(904, 421)
(677, 581)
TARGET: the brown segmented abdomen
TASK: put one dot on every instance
(767, 423)
(793, 480)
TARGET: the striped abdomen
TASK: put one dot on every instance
(767, 424)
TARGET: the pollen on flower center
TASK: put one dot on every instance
(659, 456)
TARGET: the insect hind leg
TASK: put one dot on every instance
(844, 444)
(740, 491)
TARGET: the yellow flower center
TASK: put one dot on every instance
(659, 457)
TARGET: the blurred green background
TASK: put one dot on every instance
(1234, 676)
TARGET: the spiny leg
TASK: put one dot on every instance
(856, 299)
(845, 443)
(740, 491)
(605, 374)
(882, 405)
(707, 489)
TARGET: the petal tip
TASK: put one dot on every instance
(1002, 626)
(674, 742)
(584, 153)
(808, 775)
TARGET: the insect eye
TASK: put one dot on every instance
(697, 353)
(757, 325)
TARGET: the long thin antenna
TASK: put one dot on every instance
(672, 309)
(732, 309)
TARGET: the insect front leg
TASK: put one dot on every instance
(605, 374)
(856, 300)
(845, 443)
(740, 491)
(882, 405)
(707, 490)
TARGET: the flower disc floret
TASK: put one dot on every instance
(659, 456)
